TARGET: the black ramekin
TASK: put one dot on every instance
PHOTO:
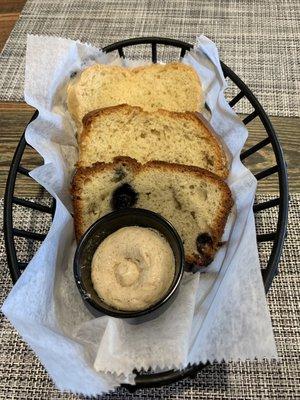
(104, 227)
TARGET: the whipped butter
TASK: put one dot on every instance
(133, 268)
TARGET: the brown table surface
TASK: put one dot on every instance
(14, 117)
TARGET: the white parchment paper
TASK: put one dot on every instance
(219, 315)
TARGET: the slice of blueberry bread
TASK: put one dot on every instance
(173, 86)
(194, 200)
(159, 135)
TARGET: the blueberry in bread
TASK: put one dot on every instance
(163, 135)
(194, 200)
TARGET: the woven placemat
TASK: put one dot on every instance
(23, 377)
(259, 40)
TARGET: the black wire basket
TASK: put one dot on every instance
(276, 237)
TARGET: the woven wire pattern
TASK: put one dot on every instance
(259, 40)
(23, 377)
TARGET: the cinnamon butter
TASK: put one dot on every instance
(133, 268)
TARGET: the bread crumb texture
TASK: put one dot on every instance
(174, 86)
(159, 135)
